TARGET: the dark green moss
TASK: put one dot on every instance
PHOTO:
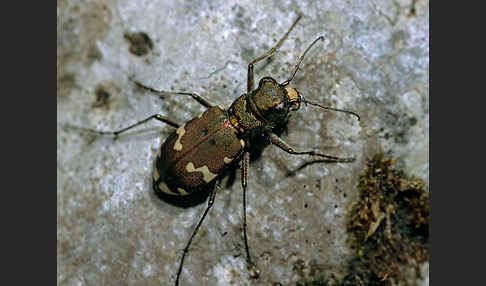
(389, 231)
(389, 225)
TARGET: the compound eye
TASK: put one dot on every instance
(295, 105)
(294, 97)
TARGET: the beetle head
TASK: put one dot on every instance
(272, 101)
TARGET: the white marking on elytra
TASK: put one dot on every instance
(180, 131)
(242, 142)
(163, 187)
(182, 191)
(227, 160)
(156, 174)
(207, 175)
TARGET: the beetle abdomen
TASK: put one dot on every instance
(196, 153)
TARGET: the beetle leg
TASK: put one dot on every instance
(267, 54)
(254, 272)
(195, 96)
(244, 175)
(212, 195)
(116, 133)
(284, 146)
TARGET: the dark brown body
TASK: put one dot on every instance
(196, 153)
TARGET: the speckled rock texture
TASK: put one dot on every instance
(111, 227)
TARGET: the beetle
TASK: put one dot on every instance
(198, 152)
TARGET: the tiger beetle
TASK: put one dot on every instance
(199, 151)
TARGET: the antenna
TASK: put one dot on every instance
(330, 108)
(285, 83)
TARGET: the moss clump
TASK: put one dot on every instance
(389, 225)
(389, 228)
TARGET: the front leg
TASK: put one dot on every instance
(284, 146)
